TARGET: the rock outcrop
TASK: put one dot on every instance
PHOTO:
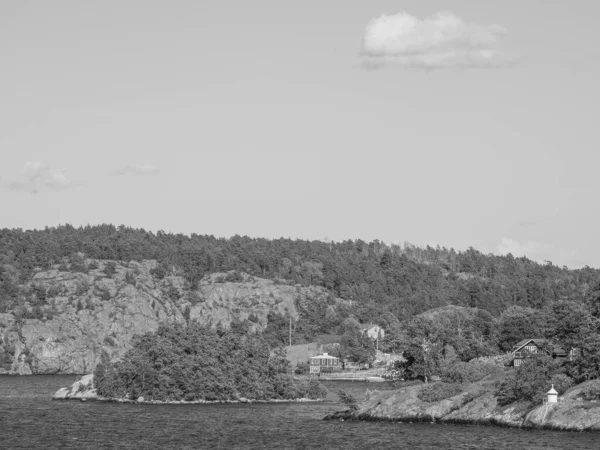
(94, 314)
(81, 389)
(477, 404)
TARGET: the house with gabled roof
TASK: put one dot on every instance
(528, 347)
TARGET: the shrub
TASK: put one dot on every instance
(396, 382)
(562, 383)
(193, 297)
(35, 313)
(104, 294)
(130, 278)
(54, 291)
(496, 360)
(187, 312)
(110, 269)
(108, 340)
(78, 265)
(348, 400)
(6, 357)
(591, 391)
(173, 294)
(39, 296)
(314, 390)
(234, 276)
(160, 271)
(435, 392)
(462, 372)
(302, 368)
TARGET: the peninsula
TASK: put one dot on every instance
(577, 410)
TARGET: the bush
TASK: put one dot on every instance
(562, 383)
(462, 372)
(399, 383)
(108, 340)
(110, 269)
(173, 294)
(302, 368)
(54, 291)
(591, 391)
(6, 357)
(130, 278)
(160, 271)
(104, 294)
(348, 400)
(234, 276)
(311, 389)
(434, 392)
(78, 265)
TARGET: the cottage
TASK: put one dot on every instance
(375, 332)
(532, 346)
(324, 363)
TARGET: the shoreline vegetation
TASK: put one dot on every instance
(84, 390)
(196, 364)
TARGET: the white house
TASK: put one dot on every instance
(324, 363)
(373, 331)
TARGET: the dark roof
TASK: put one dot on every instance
(526, 341)
(551, 348)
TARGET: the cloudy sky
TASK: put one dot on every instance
(457, 122)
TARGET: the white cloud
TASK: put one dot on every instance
(140, 169)
(39, 176)
(442, 41)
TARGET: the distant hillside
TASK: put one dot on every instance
(71, 316)
(69, 296)
(382, 283)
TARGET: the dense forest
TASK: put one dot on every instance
(198, 363)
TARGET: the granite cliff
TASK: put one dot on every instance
(93, 314)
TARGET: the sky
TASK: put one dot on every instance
(461, 123)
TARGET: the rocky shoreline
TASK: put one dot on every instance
(83, 390)
(478, 405)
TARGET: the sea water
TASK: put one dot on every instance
(29, 419)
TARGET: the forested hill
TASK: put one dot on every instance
(385, 283)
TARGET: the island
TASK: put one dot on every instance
(196, 364)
